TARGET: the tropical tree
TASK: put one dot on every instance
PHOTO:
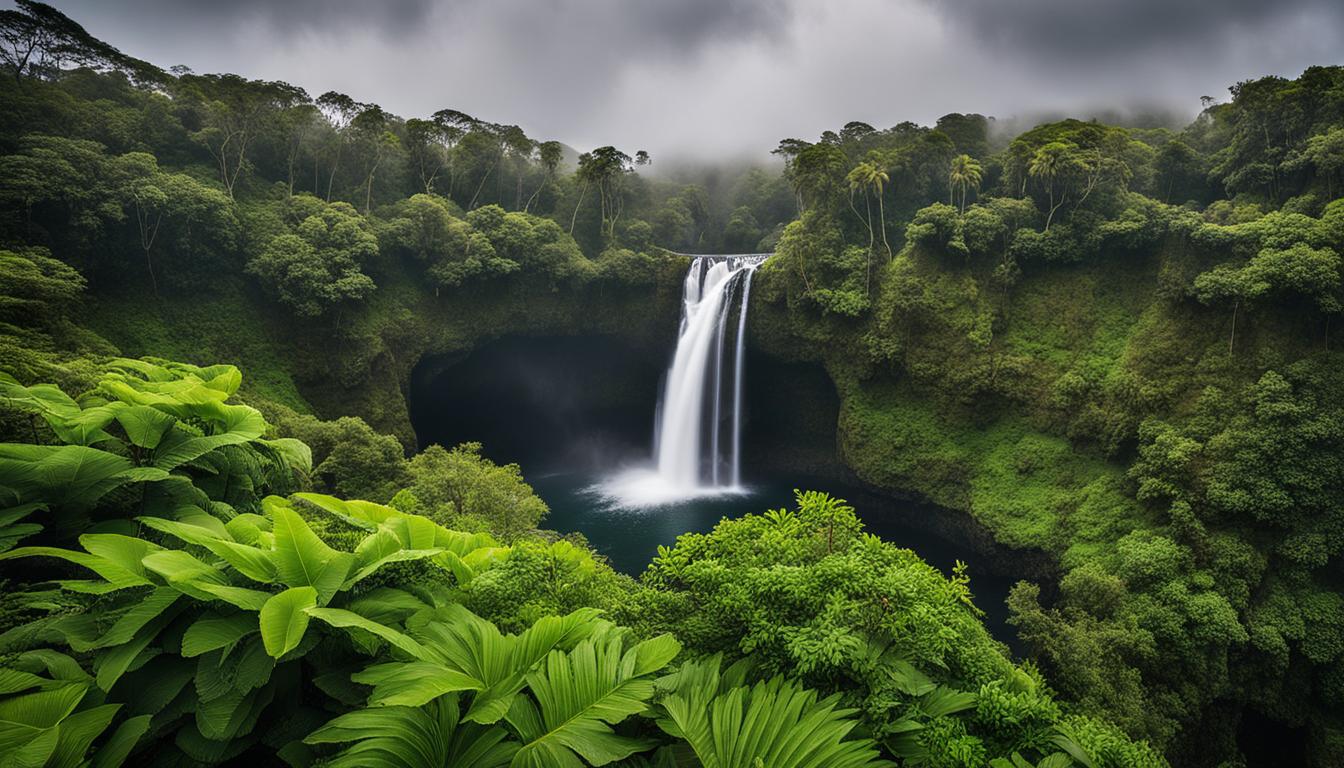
(374, 141)
(425, 141)
(317, 267)
(453, 126)
(235, 111)
(1326, 152)
(965, 174)
(1050, 165)
(338, 110)
(519, 149)
(165, 205)
(871, 178)
(549, 153)
(604, 167)
(38, 40)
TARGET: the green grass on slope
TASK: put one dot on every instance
(1032, 489)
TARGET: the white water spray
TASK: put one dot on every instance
(687, 447)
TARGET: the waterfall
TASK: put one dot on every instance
(688, 451)
(737, 377)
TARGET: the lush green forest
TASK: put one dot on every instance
(1108, 344)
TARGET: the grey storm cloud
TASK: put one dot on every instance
(1050, 30)
(712, 78)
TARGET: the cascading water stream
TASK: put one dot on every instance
(738, 358)
(687, 452)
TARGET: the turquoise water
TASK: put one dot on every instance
(629, 538)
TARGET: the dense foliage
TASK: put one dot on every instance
(1111, 344)
(176, 609)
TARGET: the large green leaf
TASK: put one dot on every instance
(11, 530)
(776, 723)
(256, 564)
(580, 694)
(337, 617)
(413, 684)
(379, 549)
(284, 620)
(140, 614)
(178, 448)
(296, 453)
(113, 752)
(145, 425)
(65, 417)
(361, 514)
(301, 558)
(30, 723)
(213, 632)
(473, 646)
(76, 734)
(116, 574)
(405, 737)
(247, 599)
(73, 477)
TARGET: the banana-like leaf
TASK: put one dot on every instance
(113, 752)
(65, 417)
(30, 723)
(213, 632)
(943, 701)
(115, 574)
(776, 723)
(364, 515)
(71, 477)
(301, 558)
(145, 425)
(178, 448)
(39, 398)
(241, 597)
(465, 642)
(1065, 739)
(256, 564)
(77, 733)
(406, 737)
(284, 620)
(11, 530)
(379, 549)
(296, 453)
(350, 620)
(580, 694)
(141, 613)
(413, 684)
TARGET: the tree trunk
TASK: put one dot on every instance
(1053, 207)
(335, 164)
(479, 187)
(575, 217)
(1231, 339)
(540, 187)
(882, 221)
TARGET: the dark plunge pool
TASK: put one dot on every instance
(571, 411)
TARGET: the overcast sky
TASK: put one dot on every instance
(719, 77)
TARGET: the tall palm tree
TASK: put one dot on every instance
(871, 177)
(858, 181)
(874, 177)
(1049, 162)
(966, 173)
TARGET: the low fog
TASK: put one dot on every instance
(712, 79)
